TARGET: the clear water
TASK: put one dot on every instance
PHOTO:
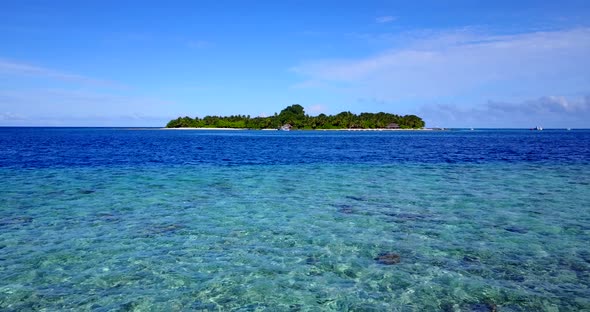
(117, 219)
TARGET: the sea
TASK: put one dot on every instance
(119, 219)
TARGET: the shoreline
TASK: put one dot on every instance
(238, 129)
(420, 129)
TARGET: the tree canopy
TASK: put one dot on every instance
(296, 117)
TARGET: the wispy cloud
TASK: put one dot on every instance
(70, 99)
(81, 107)
(459, 63)
(8, 116)
(310, 84)
(134, 120)
(385, 19)
(9, 67)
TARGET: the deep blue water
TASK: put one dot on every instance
(66, 147)
(125, 219)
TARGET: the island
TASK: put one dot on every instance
(294, 117)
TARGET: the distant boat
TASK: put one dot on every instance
(471, 129)
(538, 128)
(568, 129)
(286, 127)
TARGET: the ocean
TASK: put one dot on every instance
(115, 219)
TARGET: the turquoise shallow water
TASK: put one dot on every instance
(118, 220)
(296, 237)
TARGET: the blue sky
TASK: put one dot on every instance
(141, 63)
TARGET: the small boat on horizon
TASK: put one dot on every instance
(537, 128)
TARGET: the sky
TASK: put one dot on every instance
(509, 64)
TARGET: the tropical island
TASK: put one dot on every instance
(294, 117)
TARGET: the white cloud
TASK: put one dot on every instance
(544, 105)
(385, 19)
(547, 111)
(461, 63)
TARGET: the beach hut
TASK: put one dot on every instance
(393, 125)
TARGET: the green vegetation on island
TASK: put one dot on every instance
(295, 116)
